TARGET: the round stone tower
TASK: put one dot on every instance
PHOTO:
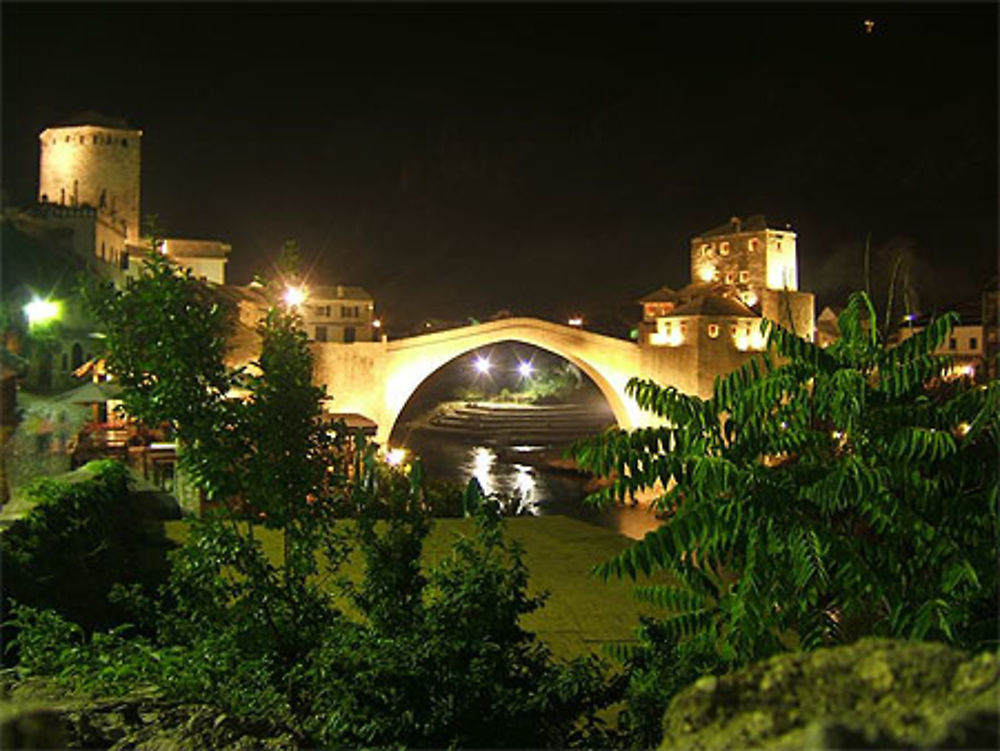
(93, 160)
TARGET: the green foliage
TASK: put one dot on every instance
(451, 665)
(818, 496)
(553, 384)
(74, 545)
(655, 671)
(402, 657)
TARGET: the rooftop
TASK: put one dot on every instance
(713, 305)
(180, 247)
(663, 294)
(90, 117)
(753, 223)
(338, 292)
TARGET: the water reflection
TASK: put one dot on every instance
(483, 459)
(543, 491)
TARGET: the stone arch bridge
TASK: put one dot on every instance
(377, 379)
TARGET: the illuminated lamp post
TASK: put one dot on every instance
(40, 312)
(482, 365)
(294, 296)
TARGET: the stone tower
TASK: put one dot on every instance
(93, 160)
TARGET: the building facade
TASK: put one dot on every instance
(339, 313)
(89, 184)
(741, 273)
(93, 160)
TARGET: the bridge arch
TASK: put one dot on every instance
(608, 362)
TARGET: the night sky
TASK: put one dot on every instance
(547, 159)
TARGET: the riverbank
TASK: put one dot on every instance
(512, 424)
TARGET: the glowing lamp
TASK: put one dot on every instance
(377, 323)
(294, 296)
(707, 273)
(525, 369)
(395, 457)
(482, 365)
(576, 321)
(40, 311)
(163, 247)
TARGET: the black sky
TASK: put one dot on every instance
(457, 159)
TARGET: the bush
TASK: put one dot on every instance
(819, 496)
(77, 542)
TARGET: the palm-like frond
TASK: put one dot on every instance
(834, 484)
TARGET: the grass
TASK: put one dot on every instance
(582, 612)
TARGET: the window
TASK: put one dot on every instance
(350, 311)
(730, 277)
(952, 343)
(744, 277)
(77, 356)
(973, 342)
(103, 256)
(724, 248)
(124, 142)
(321, 333)
(65, 362)
(713, 330)
(95, 139)
(752, 244)
(349, 335)
(706, 249)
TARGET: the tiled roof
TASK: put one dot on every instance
(95, 118)
(663, 294)
(753, 223)
(180, 247)
(338, 292)
(713, 305)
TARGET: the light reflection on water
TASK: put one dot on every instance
(543, 491)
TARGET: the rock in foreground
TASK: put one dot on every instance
(876, 693)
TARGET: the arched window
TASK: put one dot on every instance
(713, 330)
(77, 355)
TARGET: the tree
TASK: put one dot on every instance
(429, 660)
(817, 496)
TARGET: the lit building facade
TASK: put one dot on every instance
(89, 183)
(339, 313)
(741, 273)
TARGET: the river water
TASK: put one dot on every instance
(452, 459)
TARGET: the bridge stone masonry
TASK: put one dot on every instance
(742, 272)
(377, 379)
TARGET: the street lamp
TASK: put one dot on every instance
(40, 311)
(294, 296)
(525, 369)
(482, 365)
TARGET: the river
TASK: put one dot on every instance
(453, 459)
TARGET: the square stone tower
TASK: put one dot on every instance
(758, 263)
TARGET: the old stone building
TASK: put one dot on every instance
(741, 272)
(89, 185)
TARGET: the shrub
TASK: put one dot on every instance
(77, 542)
(819, 496)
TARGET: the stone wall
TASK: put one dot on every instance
(93, 166)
